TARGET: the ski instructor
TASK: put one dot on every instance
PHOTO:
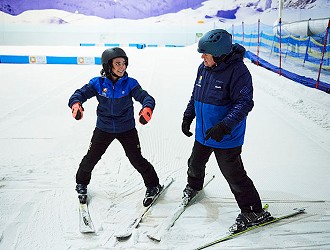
(115, 91)
(221, 99)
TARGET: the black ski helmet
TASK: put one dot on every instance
(108, 55)
(216, 42)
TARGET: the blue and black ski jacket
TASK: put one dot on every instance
(115, 111)
(222, 94)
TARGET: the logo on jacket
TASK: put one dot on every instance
(218, 84)
(104, 92)
(199, 83)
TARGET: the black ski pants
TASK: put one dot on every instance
(231, 166)
(130, 141)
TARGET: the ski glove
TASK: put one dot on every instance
(185, 127)
(77, 111)
(217, 132)
(145, 115)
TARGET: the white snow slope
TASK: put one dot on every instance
(286, 153)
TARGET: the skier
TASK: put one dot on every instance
(220, 101)
(114, 90)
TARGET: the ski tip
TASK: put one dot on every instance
(169, 180)
(122, 237)
(300, 210)
(154, 238)
(87, 231)
(123, 234)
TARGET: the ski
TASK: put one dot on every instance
(233, 235)
(165, 226)
(127, 231)
(85, 221)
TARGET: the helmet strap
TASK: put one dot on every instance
(107, 70)
(114, 74)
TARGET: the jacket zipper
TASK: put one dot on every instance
(204, 90)
(112, 101)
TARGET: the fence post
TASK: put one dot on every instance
(306, 52)
(258, 41)
(323, 51)
(232, 32)
(273, 45)
(243, 33)
(280, 69)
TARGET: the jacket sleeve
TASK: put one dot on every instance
(241, 94)
(81, 95)
(189, 113)
(143, 97)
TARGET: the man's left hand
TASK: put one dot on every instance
(217, 132)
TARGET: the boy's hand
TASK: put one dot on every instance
(77, 111)
(145, 115)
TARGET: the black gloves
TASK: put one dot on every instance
(185, 127)
(217, 132)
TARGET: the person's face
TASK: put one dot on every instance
(208, 60)
(119, 66)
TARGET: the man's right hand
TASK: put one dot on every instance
(77, 111)
(185, 127)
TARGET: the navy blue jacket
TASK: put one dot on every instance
(222, 94)
(115, 111)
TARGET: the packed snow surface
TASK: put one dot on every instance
(286, 153)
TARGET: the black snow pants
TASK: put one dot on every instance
(130, 141)
(231, 166)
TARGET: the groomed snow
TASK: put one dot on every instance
(286, 153)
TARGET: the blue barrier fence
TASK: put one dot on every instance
(137, 45)
(307, 81)
(21, 59)
(304, 59)
(296, 57)
(49, 59)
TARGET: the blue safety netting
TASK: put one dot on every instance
(296, 57)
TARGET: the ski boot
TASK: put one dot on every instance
(82, 193)
(249, 219)
(188, 194)
(151, 194)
